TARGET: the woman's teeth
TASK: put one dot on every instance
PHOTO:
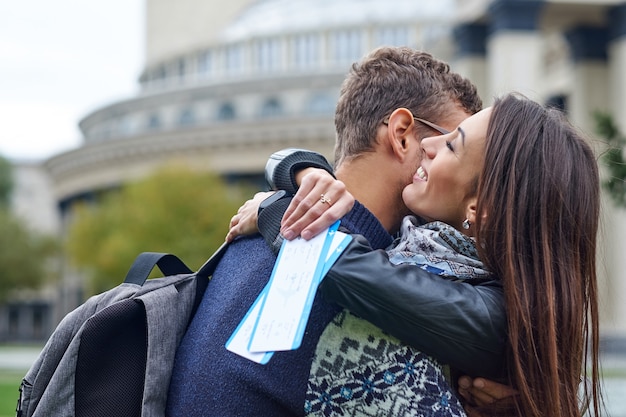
(421, 174)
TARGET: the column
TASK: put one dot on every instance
(470, 59)
(615, 223)
(617, 60)
(588, 52)
(514, 47)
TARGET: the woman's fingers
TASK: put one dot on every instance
(481, 392)
(245, 221)
(320, 201)
(311, 187)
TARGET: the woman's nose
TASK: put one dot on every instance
(429, 147)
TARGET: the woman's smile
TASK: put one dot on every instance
(421, 174)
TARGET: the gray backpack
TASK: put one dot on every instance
(113, 355)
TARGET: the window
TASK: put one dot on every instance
(14, 321)
(268, 54)
(558, 102)
(154, 121)
(226, 112)
(204, 63)
(347, 46)
(305, 51)
(234, 58)
(39, 314)
(321, 103)
(160, 73)
(392, 36)
(124, 126)
(271, 108)
(186, 117)
(181, 68)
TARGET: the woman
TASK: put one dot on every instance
(521, 181)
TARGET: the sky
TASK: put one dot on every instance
(60, 60)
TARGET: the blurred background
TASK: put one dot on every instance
(134, 125)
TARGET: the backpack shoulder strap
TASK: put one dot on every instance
(144, 264)
(209, 266)
(169, 265)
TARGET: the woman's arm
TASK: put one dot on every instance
(460, 324)
(284, 171)
(309, 177)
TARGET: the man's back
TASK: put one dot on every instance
(208, 379)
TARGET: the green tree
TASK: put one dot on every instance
(26, 258)
(613, 158)
(6, 182)
(174, 210)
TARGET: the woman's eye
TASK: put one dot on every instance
(449, 145)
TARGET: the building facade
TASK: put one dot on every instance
(225, 85)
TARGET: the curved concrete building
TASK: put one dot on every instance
(227, 83)
(225, 86)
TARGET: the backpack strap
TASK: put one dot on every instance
(169, 265)
(208, 268)
(144, 264)
(204, 273)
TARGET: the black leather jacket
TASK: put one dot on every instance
(462, 324)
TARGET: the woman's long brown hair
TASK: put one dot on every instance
(539, 190)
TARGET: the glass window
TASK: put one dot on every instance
(14, 321)
(204, 63)
(347, 46)
(39, 314)
(181, 68)
(305, 51)
(154, 121)
(186, 117)
(226, 112)
(271, 108)
(268, 54)
(392, 36)
(124, 126)
(321, 103)
(558, 102)
(234, 58)
(160, 73)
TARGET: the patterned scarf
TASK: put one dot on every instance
(438, 248)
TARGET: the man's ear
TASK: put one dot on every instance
(400, 133)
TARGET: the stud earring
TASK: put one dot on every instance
(466, 224)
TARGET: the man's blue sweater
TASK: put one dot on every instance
(208, 380)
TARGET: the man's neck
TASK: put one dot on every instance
(368, 183)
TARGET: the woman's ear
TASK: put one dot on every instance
(400, 133)
(470, 210)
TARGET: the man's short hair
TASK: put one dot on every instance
(389, 78)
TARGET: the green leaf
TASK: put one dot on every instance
(613, 158)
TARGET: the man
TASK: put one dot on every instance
(377, 133)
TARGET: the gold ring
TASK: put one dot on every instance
(324, 199)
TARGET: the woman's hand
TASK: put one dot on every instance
(245, 221)
(480, 392)
(320, 201)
